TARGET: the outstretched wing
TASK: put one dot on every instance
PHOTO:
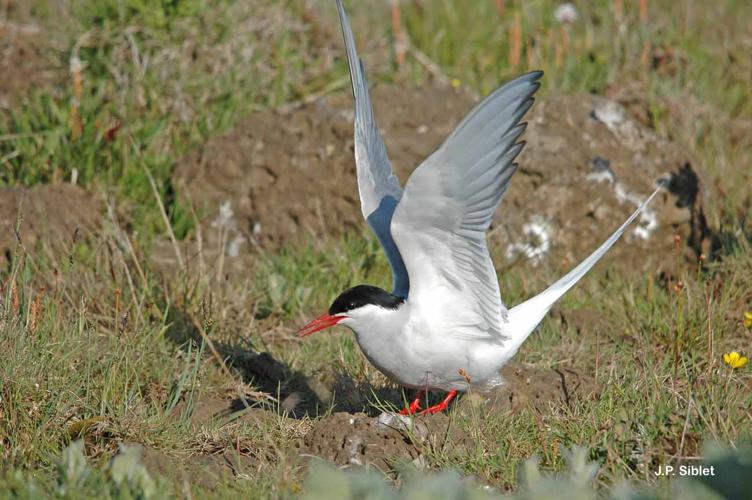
(441, 222)
(378, 187)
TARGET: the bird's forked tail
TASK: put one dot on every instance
(525, 317)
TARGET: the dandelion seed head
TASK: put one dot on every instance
(566, 13)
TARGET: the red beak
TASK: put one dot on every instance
(321, 323)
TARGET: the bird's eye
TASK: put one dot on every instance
(352, 305)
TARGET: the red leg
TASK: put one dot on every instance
(415, 405)
(441, 406)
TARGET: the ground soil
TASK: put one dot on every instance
(26, 61)
(52, 217)
(377, 439)
(527, 386)
(352, 438)
(290, 178)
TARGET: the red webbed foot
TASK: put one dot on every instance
(415, 405)
(441, 406)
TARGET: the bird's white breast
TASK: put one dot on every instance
(410, 347)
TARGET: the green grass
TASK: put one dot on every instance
(146, 75)
(84, 360)
(106, 340)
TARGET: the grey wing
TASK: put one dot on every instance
(441, 222)
(378, 187)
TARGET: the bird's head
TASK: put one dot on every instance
(353, 308)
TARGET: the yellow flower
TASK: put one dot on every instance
(748, 319)
(456, 83)
(734, 359)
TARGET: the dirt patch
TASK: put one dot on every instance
(25, 61)
(383, 441)
(379, 439)
(529, 387)
(289, 177)
(52, 216)
(587, 165)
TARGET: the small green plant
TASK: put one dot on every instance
(731, 478)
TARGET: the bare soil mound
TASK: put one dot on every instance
(382, 441)
(291, 176)
(287, 177)
(529, 387)
(25, 62)
(52, 216)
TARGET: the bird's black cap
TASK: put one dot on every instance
(362, 295)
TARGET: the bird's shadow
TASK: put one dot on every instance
(295, 394)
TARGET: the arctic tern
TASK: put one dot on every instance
(444, 325)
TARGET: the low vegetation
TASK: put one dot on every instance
(111, 358)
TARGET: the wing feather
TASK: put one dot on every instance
(440, 224)
(378, 187)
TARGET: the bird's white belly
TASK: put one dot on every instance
(420, 359)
